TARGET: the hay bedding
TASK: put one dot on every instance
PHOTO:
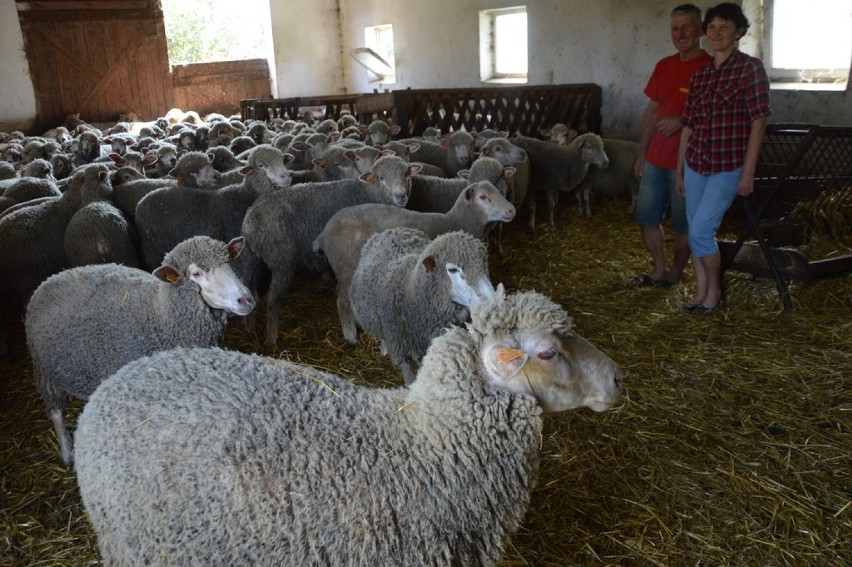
(732, 445)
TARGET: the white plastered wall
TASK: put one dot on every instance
(17, 98)
(614, 43)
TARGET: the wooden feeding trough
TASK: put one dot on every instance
(804, 175)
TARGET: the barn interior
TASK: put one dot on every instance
(732, 444)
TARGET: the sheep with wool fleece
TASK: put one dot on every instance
(349, 229)
(280, 228)
(408, 287)
(85, 323)
(556, 168)
(617, 178)
(169, 450)
(168, 216)
(454, 153)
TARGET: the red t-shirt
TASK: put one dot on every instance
(669, 87)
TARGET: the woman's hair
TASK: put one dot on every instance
(727, 11)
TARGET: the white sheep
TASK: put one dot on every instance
(280, 228)
(349, 229)
(211, 457)
(168, 216)
(192, 170)
(618, 178)
(85, 323)
(408, 287)
(556, 168)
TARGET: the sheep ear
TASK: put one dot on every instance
(413, 169)
(429, 263)
(486, 152)
(319, 162)
(509, 172)
(395, 130)
(179, 176)
(288, 158)
(368, 177)
(168, 274)
(150, 159)
(468, 192)
(464, 173)
(116, 159)
(246, 169)
(413, 148)
(235, 246)
(503, 364)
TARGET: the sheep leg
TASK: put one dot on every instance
(552, 199)
(65, 447)
(277, 287)
(344, 312)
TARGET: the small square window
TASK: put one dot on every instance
(503, 45)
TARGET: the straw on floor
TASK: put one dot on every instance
(733, 444)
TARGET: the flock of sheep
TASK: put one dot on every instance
(127, 249)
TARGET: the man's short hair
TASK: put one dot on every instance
(685, 9)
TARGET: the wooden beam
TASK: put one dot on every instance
(56, 5)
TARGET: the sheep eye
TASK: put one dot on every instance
(453, 270)
(547, 354)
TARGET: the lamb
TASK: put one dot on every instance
(407, 288)
(348, 230)
(619, 177)
(85, 323)
(280, 228)
(557, 168)
(518, 188)
(206, 456)
(452, 155)
(167, 216)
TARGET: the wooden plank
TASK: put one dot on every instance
(56, 5)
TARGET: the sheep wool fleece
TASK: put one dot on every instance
(204, 456)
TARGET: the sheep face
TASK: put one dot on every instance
(503, 151)
(466, 292)
(592, 150)
(222, 289)
(562, 373)
(487, 198)
(207, 176)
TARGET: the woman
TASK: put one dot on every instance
(724, 120)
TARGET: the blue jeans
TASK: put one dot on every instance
(707, 199)
(656, 193)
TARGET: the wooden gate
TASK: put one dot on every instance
(103, 58)
(100, 58)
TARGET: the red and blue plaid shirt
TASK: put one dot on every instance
(720, 108)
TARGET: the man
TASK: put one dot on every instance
(667, 90)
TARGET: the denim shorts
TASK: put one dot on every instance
(656, 194)
(707, 199)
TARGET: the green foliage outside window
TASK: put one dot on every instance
(215, 30)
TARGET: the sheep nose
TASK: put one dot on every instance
(618, 379)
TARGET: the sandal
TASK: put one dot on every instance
(647, 281)
(708, 310)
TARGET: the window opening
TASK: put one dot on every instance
(202, 31)
(503, 45)
(808, 42)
